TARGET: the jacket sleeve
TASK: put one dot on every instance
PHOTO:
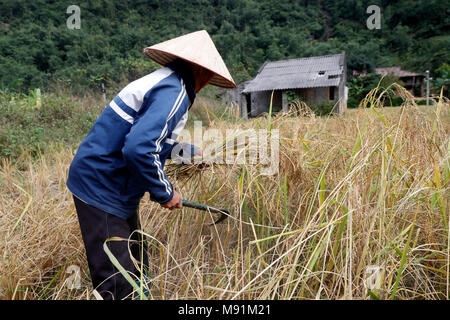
(143, 144)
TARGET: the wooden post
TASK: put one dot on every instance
(103, 92)
(243, 106)
(284, 102)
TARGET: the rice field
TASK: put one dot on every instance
(359, 209)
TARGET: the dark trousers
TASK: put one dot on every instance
(97, 226)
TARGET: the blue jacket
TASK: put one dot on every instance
(123, 155)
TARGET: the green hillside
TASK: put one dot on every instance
(37, 48)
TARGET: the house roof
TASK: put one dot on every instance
(397, 71)
(322, 71)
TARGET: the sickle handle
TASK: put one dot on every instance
(224, 213)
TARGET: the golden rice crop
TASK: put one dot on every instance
(355, 197)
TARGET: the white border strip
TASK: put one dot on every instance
(121, 113)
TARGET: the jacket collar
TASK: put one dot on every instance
(184, 72)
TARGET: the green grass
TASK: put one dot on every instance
(57, 119)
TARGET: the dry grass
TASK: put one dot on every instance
(370, 188)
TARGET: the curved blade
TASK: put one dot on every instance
(223, 213)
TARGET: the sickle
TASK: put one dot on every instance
(223, 213)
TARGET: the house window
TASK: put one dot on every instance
(332, 93)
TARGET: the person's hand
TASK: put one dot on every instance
(174, 203)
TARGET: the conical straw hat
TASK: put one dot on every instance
(197, 48)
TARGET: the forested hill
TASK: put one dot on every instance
(36, 45)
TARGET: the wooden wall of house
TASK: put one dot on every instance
(315, 95)
(276, 101)
(259, 102)
(322, 94)
(307, 94)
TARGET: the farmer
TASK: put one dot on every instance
(123, 155)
